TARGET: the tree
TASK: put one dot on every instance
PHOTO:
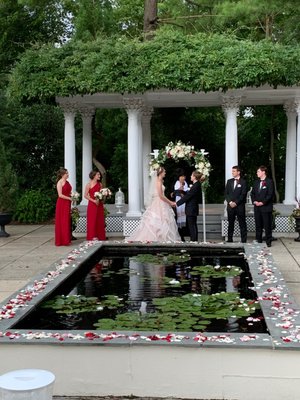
(33, 137)
(94, 17)
(150, 18)
(8, 183)
(23, 23)
(259, 19)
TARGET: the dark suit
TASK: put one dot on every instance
(192, 199)
(237, 194)
(263, 214)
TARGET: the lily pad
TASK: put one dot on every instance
(185, 313)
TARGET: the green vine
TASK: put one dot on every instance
(172, 60)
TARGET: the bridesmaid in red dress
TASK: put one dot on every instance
(95, 209)
(63, 209)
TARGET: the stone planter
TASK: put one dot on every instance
(5, 219)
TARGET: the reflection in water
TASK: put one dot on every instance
(205, 285)
(96, 272)
(93, 281)
(143, 308)
(232, 285)
(145, 283)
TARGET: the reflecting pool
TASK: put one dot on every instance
(136, 288)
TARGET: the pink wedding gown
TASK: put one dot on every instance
(158, 223)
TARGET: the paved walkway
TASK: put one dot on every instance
(30, 250)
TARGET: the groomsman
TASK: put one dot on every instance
(235, 195)
(262, 197)
(192, 199)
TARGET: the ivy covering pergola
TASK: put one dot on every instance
(171, 60)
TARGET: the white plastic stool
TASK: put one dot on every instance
(27, 384)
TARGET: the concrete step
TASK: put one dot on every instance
(212, 224)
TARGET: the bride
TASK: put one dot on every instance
(158, 222)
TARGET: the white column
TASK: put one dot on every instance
(140, 155)
(290, 156)
(146, 149)
(297, 107)
(69, 144)
(230, 105)
(87, 162)
(134, 109)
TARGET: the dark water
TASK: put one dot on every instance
(137, 284)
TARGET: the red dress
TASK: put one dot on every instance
(95, 217)
(63, 218)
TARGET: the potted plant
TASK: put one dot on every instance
(295, 216)
(8, 191)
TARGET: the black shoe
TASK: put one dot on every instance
(229, 241)
(259, 241)
(272, 238)
(269, 244)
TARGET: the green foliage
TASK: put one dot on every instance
(93, 18)
(186, 313)
(259, 19)
(171, 60)
(33, 137)
(129, 17)
(248, 19)
(23, 22)
(110, 145)
(74, 217)
(201, 127)
(34, 206)
(8, 183)
(255, 134)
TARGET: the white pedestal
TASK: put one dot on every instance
(27, 384)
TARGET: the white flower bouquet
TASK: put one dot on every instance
(75, 196)
(103, 194)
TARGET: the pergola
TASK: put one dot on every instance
(139, 108)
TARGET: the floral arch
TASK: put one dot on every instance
(180, 151)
